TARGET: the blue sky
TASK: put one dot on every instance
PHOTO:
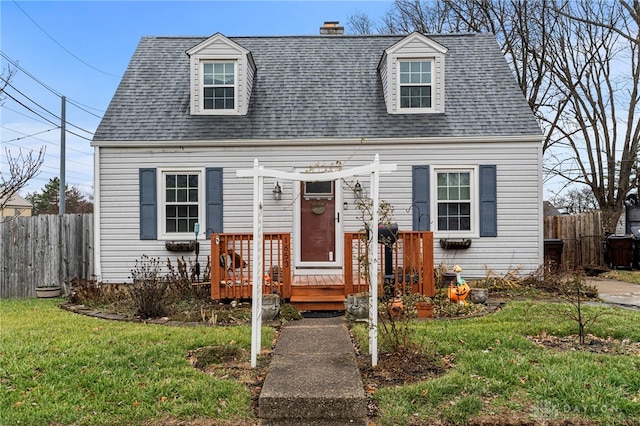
(80, 49)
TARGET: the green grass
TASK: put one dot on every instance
(621, 275)
(499, 373)
(57, 367)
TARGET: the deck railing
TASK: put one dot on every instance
(406, 264)
(233, 256)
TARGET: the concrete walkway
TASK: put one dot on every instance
(313, 378)
(617, 292)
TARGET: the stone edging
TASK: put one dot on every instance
(90, 312)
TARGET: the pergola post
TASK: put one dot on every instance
(258, 173)
(256, 293)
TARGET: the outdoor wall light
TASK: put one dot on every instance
(345, 205)
(277, 192)
(357, 189)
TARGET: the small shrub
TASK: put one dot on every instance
(85, 290)
(289, 312)
(149, 290)
(183, 280)
(92, 293)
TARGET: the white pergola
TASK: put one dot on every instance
(258, 173)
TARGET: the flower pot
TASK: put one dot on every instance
(424, 309)
(357, 305)
(48, 292)
(270, 307)
(478, 295)
(395, 307)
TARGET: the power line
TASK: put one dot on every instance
(61, 46)
(28, 136)
(45, 141)
(23, 114)
(49, 88)
(31, 100)
(43, 108)
(83, 108)
(25, 106)
(34, 78)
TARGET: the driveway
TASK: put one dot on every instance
(617, 292)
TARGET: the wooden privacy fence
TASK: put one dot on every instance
(582, 236)
(42, 250)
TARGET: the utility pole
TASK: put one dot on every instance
(63, 132)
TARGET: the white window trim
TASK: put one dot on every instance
(162, 198)
(474, 181)
(236, 88)
(434, 82)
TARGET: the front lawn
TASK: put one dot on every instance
(57, 367)
(496, 374)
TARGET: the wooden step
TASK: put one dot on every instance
(318, 290)
(318, 298)
(318, 306)
(312, 298)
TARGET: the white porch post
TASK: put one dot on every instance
(256, 303)
(373, 263)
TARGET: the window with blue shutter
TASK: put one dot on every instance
(420, 201)
(180, 204)
(488, 201)
(148, 205)
(214, 200)
(453, 194)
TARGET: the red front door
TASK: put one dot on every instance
(318, 222)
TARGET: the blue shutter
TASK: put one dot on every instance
(420, 202)
(214, 211)
(148, 205)
(488, 201)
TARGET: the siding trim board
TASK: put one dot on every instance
(372, 141)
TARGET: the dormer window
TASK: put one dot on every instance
(415, 84)
(222, 74)
(218, 85)
(412, 73)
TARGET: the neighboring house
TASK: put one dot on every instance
(191, 111)
(16, 206)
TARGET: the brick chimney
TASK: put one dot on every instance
(331, 28)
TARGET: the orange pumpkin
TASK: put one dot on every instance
(458, 293)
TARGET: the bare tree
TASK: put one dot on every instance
(22, 167)
(578, 66)
(360, 23)
(593, 127)
(7, 74)
(575, 200)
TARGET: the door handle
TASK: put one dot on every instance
(338, 217)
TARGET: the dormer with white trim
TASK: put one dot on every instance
(221, 77)
(412, 73)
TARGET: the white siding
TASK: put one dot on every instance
(518, 245)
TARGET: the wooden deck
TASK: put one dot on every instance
(405, 266)
(317, 280)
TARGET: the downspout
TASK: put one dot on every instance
(96, 215)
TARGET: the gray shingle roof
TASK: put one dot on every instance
(316, 87)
